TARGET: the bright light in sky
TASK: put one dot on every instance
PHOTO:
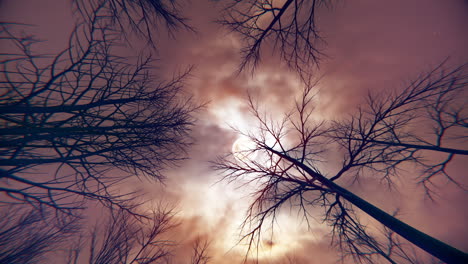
(288, 230)
(243, 149)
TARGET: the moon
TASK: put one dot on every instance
(243, 149)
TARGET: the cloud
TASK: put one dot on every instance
(371, 46)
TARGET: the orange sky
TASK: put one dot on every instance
(371, 45)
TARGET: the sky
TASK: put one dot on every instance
(370, 46)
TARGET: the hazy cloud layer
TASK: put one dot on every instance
(371, 46)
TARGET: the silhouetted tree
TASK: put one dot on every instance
(429, 115)
(78, 123)
(31, 236)
(289, 26)
(146, 18)
(26, 236)
(285, 162)
(125, 239)
(200, 252)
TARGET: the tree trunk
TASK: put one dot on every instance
(431, 245)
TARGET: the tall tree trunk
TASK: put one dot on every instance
(431, 245)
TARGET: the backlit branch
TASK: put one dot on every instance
(289, 26)
(426, 118)
(288, 155)
(145, 18)
(77, 124)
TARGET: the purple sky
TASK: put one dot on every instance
(371, 46)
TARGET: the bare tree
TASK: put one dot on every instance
(143, 17)
(287, 161)
(428, 116)
(33, 237)
(40, 233)
(200, 252)
(127, 240)
(78, 123)
(289, 26)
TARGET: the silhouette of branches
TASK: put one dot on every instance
(282, 182)
(289, 155)
(124, 239)
(289, 26)
(31, 236)
(26, 236)
(76, 124)
(200, 252)
(428, 116)
(402, 251)
(145, 18)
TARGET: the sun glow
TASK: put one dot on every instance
(243, 149)
(271, 245)
(289, 232)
